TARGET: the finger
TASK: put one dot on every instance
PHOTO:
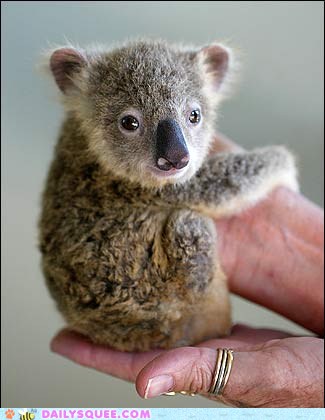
(286, 278)
(243, 336)
(257, 335)
(279, 373)
(79, 349)
(221, 143)
(191, 369)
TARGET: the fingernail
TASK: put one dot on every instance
(158, 385)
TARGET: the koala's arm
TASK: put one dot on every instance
(227, 183)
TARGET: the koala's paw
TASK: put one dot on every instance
(280, 168)
(251, 176)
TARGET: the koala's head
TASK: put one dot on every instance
(147, 108)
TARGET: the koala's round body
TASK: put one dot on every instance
(129, 249)
(125, 269)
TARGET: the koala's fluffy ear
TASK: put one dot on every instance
(216, 61)
(67, 64)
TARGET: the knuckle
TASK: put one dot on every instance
(198, 373)
(200, 379)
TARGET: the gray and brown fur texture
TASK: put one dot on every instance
(129, 249)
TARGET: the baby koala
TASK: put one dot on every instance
(128, 243)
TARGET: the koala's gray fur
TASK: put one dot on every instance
(128, 255)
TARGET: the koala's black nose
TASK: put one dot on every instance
(171, 149)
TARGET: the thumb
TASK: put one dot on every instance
(191, 369)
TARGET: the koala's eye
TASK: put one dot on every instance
(130, 123)
(195, 116)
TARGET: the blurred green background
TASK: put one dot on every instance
(279, 100)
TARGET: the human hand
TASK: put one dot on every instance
(270, 368)
(273, 255)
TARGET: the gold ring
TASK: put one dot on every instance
(173, 393)
(222, 371)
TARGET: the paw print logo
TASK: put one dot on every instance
(10, 414)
